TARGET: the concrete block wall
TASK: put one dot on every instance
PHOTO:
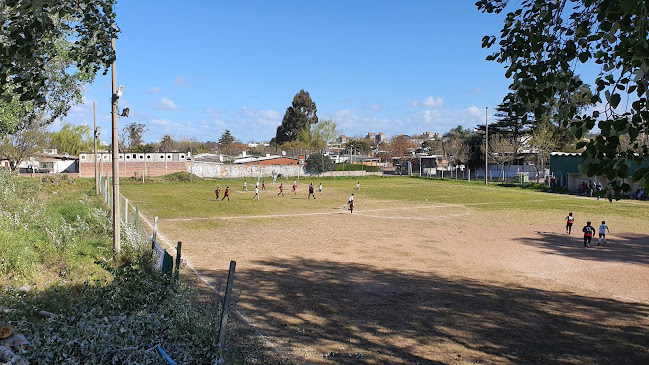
(129, 169)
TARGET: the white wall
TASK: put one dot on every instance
(221, 171)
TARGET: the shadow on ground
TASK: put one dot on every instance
(630, 247)
(386, 316)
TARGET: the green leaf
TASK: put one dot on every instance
(615, 100)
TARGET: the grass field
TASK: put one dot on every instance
(474, 274)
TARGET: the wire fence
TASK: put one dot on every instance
(129, 213)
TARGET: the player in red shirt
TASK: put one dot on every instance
(217, 192)
(226, 194)
(281, 189)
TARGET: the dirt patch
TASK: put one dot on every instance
(426, 285)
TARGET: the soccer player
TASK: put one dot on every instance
(256, 193)
(217, 192)
(281, 189)
(569, 221)
(245, 185)
(263, 185)
(603, 229)
(311, 192)
(294, 190)
(588, 234)
(358, 186)
(320, 188)
(226, 193)
(351, 203)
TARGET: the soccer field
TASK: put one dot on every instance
(473, 274)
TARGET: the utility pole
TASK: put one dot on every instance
(94, 118)
(486, 143)
(114, 113)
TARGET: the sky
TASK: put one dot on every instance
(196, 68)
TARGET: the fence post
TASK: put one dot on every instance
(155, 232)
(226, 304)
(137, 219)
(178, 250)
(125, 211)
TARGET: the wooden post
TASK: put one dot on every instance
(226, 305)
(178, 249)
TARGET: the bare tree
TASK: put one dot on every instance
(502, 150)
(542, 142)
(399, 146)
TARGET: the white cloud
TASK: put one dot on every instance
(163, 123)
(165, 104)
(261, 117)
(373, 107)
(154, 90)
(429, 102)
(475, 111)
(181, 81)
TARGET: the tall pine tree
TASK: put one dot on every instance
(298, 117)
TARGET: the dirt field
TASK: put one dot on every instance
(430, 282)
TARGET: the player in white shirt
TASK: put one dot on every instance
(603, 229)
(256, 194)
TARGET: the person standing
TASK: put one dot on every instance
(570, 219)
(311, 192)
(245, 185)
(226, 193)
(257, 184)
(351, 203)
(294, 190)
(588, 234)
(603, 229)
(281, 189)
(217, 192)
(263, 185)
(256, 193)
(320, 188)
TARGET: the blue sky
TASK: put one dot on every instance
(195, 69)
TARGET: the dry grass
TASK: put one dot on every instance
(405, 281)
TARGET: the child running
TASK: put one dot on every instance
(320, 188)
(281, 189)
(603, 229)
(311, 192)
(226, 193)
(256, 194)
(217, 191)
(569, 221)
(358, 186)
(245, 185)
(588, 234)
